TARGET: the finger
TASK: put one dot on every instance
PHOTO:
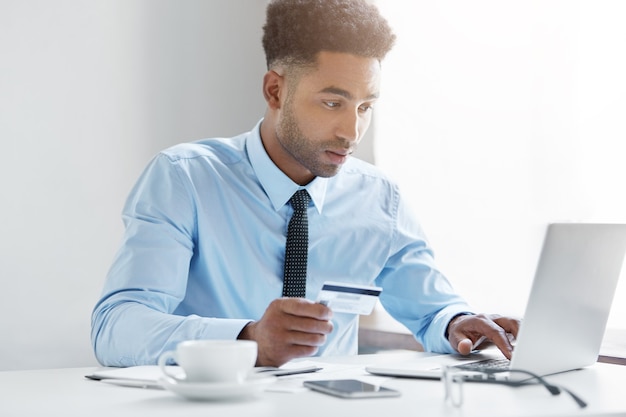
(306, 308)
(309, 325)
(465, 346)
(497, 335)
(302, 351)
(305, 338)
(505, 346)
(510, 325)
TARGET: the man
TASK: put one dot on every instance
(204, 249)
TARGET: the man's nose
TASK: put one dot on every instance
(350, 126)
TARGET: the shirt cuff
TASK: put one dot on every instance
(227, 329)
(435, 339)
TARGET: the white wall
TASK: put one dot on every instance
(498, 117)
(89, 91)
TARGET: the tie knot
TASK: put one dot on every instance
(300, 200)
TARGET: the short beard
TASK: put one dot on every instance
(301, 148)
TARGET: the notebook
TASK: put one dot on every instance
(567, 309)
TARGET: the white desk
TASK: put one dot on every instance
(65, 392)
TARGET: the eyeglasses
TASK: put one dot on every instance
(454, 377)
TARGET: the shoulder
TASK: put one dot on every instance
(368, 185)
(361, 171)
(225, 150)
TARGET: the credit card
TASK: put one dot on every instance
(349, 298)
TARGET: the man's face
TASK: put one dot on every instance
(326, 112)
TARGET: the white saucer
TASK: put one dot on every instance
(217, 390)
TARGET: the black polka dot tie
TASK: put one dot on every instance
(297, 247)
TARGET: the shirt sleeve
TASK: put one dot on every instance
(415, 292)
(133, 322)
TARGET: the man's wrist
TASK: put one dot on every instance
(456, 316)
(245, 333)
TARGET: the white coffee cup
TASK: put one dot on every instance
(226, 361)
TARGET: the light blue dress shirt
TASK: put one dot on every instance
(203, 252)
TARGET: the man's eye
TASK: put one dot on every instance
(366, 107)
(331, 104)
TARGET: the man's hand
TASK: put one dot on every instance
(464, 331)
(290, 328)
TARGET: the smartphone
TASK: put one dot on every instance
(350, 388)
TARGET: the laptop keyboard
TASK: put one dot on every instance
(488, 364)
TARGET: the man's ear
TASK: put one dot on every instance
(272, 89)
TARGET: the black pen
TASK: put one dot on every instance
(270, 370)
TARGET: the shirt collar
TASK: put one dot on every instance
(278, 186)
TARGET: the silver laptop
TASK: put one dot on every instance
(567, 309)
